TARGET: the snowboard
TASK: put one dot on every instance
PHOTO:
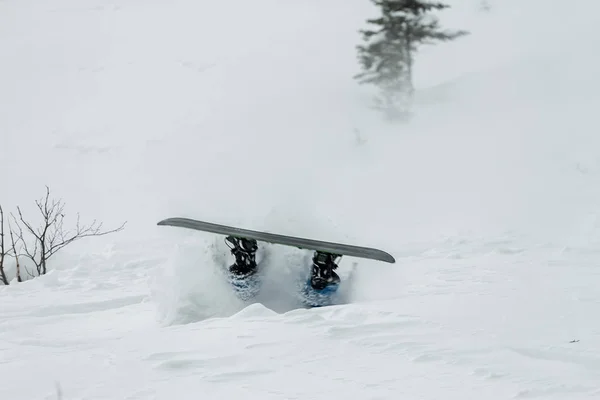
(301, 243)
(248, 288)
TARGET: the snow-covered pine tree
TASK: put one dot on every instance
(387, 57)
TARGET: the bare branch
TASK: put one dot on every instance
(1, 232)
(29, 273)
(15, 253)
(27, 225)
(81, 233)
(3, 252)
(32, 255)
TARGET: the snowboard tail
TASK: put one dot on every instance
(301, 243)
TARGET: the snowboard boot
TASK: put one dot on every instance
(244, 251)
(323, 274)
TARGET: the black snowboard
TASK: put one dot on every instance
(307, 244)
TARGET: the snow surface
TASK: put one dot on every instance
(246, 113)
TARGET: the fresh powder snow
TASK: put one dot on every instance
(245, 113)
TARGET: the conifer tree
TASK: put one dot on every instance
(387, 57)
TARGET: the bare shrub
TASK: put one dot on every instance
(39, 244)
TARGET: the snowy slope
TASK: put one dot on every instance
(245, 113)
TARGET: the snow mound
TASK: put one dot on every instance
(255, 310)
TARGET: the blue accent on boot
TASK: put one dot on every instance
(319, 298)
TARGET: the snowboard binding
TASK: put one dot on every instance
(323, 274)
(244, 251)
